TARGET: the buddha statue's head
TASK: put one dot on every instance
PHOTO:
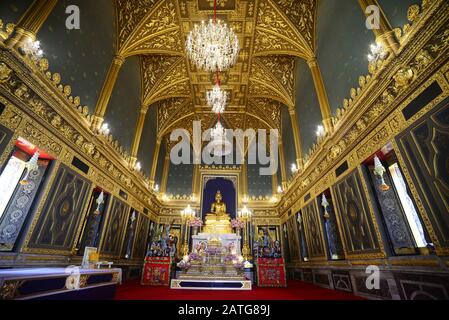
(218, 197)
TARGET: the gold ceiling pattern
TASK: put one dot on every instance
(272, 34)
(276, 34)
(272, 77)
(148, 27)
(164, 77)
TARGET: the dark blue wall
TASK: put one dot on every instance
(180, 179)
(396, 11)
(258, 185)
(124, 106)
(307, 106)
(82, 57)
(288, 141)
(148, 140)
(12, 10)
(342, 47)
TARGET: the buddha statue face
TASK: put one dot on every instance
(218, 197)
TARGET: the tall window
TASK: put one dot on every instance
(408, 206)
(403, 226)
(20, 183)
(92, 226)
(9, 179)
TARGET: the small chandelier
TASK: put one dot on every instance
(213, 46)
(219, 146)
(217, 99)
(217, 132)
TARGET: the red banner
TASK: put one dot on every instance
(271, 273)
(156, 271)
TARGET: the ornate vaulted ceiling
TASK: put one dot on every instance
(272, 34)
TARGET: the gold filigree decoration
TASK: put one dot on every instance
(164, 77)
(302, 14)
(152, 27)
(267, 109)
(277, 73)
(130, 13)
(169, 109)
(276, 35)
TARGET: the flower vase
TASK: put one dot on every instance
(195, 231)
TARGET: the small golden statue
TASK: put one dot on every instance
(218, 220)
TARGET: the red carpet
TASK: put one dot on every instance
(296, 291)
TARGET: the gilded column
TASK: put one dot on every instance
(196, 180)
(296, 137)
(31, 22)
(138, 135)
(384, 34)
(165, 172)
(321, 93)
(106, 91)
(282, 164)
(157, 149)
(245, 179)
(275, 183)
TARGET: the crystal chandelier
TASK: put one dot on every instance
(213, 46)
(217, 132)
(219, 146)
(217, 99)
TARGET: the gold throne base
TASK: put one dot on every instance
(217, 224)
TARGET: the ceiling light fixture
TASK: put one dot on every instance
(219, 145)
(213, 46)
(217, 98)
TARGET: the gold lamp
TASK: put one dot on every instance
(186, 215)
(245, 215)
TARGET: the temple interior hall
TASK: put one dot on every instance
(224, 150)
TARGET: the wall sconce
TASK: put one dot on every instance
(294, 168)
(280, 190)
(138, 166)
(156, 188)
(377, 52)
(33, 49)
(99, 201)
(320, 132)
(104, 130)
(379, 170)
(30, 166)
(325, 204)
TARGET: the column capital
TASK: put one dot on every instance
(97, 122)
(119, 59)
(312, 62)
(132, 162)
(292, 111)
(31, 22)
(144, 109)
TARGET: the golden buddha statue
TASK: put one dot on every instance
(218, 220)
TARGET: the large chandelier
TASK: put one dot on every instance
(217, 99)
(213, 46)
